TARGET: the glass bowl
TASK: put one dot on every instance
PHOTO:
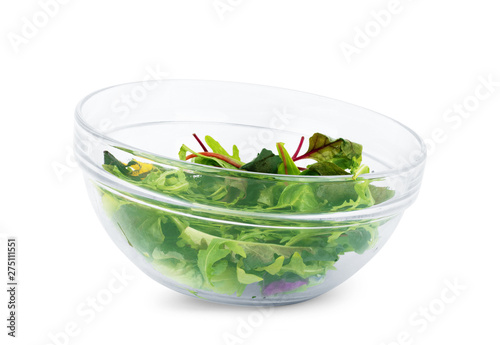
(234, 236)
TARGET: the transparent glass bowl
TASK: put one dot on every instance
(213, 233)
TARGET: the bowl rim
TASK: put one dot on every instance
(398, 170)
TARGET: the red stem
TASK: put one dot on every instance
(200, 142)
(308, 154)
(305, 155)
(216, 155)
(298, 149)
(301, 169)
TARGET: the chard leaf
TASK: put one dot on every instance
(324, 169)
(288, 166)
(342, 152)
(265, 162)
(214, 160)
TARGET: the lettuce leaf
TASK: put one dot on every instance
(226, 257)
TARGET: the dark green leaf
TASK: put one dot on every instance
(265, 162)
(324, 169)
(342, 152)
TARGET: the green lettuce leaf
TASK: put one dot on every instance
(227, 282)
(142, 226)
(265, 162)
(297, 266)
(299, 197)
(208, 257)
(182, 272)
(364, 198)
(246, 278)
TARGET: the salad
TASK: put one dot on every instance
(228, 256)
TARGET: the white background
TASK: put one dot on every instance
(427, 58)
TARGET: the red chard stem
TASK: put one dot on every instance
(200, 142)
(298, 149)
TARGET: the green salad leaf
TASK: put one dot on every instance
(217, 148)
(324, 169)
(344, 153)
(225, 253)
(208, 257)
(287, 166)
(265, 162)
